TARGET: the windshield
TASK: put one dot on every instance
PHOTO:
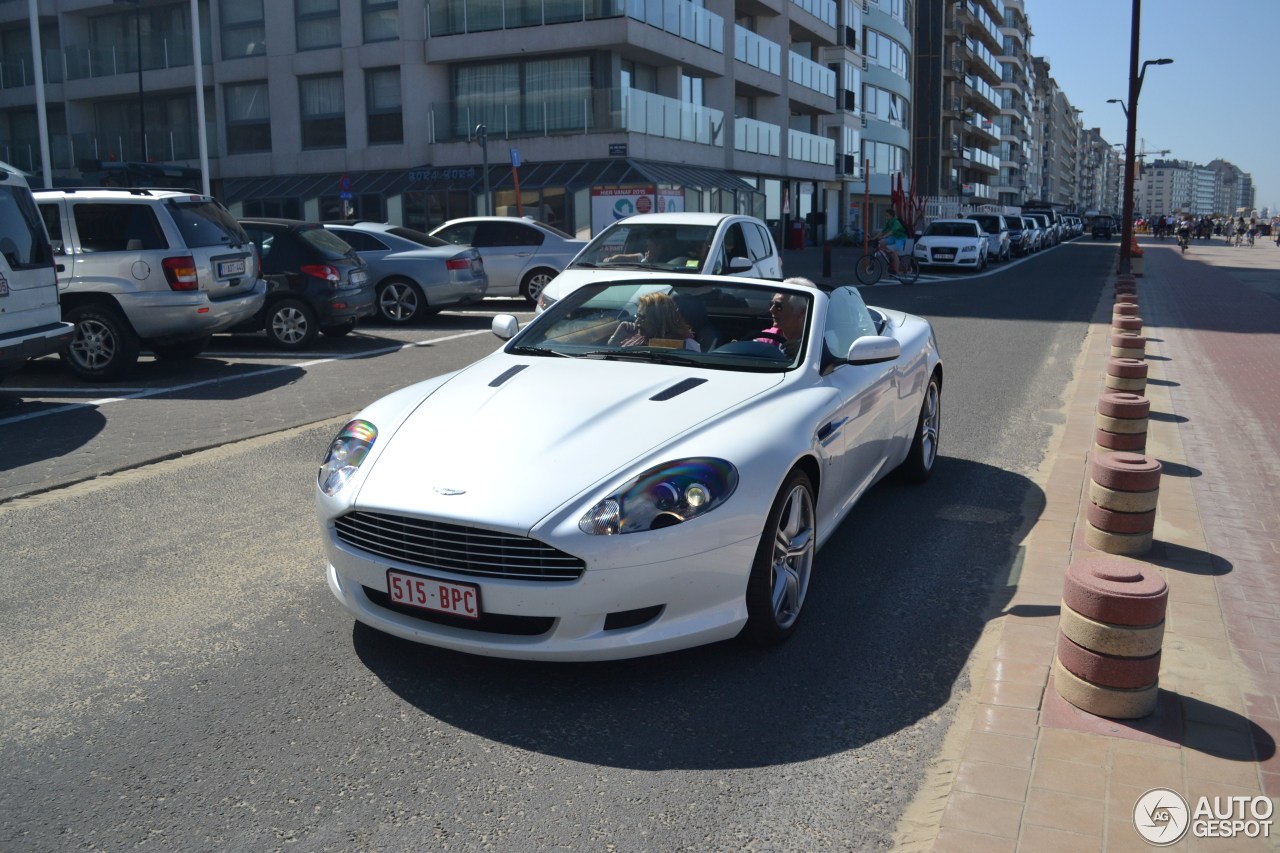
(735, 327)
(658, 246)
(204, 222)
(952, 229)
(331, 246)
(418, 237)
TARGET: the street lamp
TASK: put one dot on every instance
(1136, 76)
(482, 136)
(1123, 108)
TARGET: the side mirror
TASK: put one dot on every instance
(739, 264)
(505, 326)
(873, 349)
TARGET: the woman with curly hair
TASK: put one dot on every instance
(658, 323)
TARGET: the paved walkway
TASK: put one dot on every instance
(1022, 770)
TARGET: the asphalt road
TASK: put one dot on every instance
(175, 675)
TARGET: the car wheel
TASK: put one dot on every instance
(291, 324)
(339, 330)
(400, 301)
(924, 445)
(532, 286)
(104, 346)
(178, 351)
(784, 561)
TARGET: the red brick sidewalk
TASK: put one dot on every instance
(1023, 770)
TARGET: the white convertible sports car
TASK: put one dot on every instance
(672, 482)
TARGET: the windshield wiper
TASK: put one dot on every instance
(527, 350)
(662, 356)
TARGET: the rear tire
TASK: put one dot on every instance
(783, 564)
(104, 346)
(535, 282)
(912, 272)
(400, 302)
(291, 324)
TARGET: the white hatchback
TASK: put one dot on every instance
(952, 243)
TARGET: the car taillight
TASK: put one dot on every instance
(180, 272)
(458, 264)
(323, 272)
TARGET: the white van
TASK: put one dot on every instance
(30, 317)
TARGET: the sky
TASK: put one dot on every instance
(1217, 100)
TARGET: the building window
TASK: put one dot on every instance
(319, 24)
(244, 31)
(287, 208)
(248, 118)
(885, 52)
(537, 96)
(381, 20)
(383, 103)
(324, 121)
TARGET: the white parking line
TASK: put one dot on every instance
(134, 394)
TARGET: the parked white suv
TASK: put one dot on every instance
(158, 268)
(30, 319)
(693, 243)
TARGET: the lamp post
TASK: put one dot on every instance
(482, 136)
(1136, 76)
(1123, 108)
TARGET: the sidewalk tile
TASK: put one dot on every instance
(1145, 771)
(1007, 720)
(1211, 768)
(1012, 694)
(1000, 749)
(1074, 747)
(959, 841)
(1040, 839)
(1014, 671)
(992, 780)
(980, 814)
(1068, 777)
(1067, 812)
(1122, 837)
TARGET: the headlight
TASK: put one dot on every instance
(545, 302)
(663, 496)
(346, 452)
(964, 250)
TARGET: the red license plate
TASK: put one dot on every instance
(456, 599)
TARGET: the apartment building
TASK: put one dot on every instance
(1100, 172)
(957, 108)
(418, 111)
(1017, 100)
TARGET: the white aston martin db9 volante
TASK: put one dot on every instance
(686, 444)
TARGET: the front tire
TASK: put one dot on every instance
(919, 464)
(291, 324)
(783, 564)
(104, 346)
(867, 269)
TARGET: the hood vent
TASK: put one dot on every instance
(677, 389)
(507, 374)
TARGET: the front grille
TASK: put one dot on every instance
(456, 548)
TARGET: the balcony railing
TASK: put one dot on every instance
(823, 10)
(18, 72)
(164, 144)
(25, 154)
(159, 51)
(811, 75)
(756, 137)
(602, 111)
(756, 50)
(810, 148)
(678, 17)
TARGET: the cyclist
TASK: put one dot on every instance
(1184, 233)
(893, 239)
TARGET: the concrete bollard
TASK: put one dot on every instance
(1126, 323)
(1128, 345)
(1121, 514)
(1126, 296)
(1121, 422)
(1125, 309)
(1110, 632)
(1126, 374)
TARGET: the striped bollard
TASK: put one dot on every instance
(1126, 323)
(1124, 309)
(1128, 345)
(1121, 514)
(1126, 374)
(1110, 632)
(1121, 422)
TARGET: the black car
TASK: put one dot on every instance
(1103, 228)
(315, 282)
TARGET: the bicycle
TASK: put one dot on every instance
(872, 267)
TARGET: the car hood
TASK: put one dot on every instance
(511, 450)
(949, 242)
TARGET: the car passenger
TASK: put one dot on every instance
(658, 323)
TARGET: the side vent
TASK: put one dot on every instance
(507, 374)
(677, 389)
